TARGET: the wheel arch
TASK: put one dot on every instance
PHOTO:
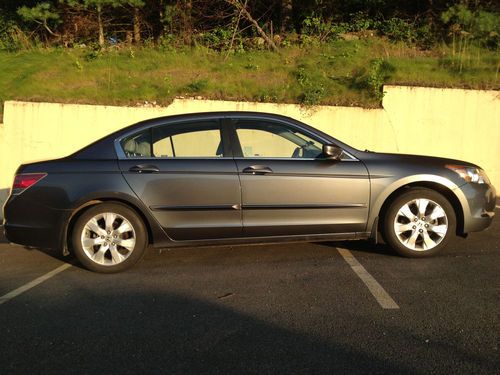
(79, 210)
(431, 185)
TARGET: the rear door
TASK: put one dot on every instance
(185, 174)
(288, 188)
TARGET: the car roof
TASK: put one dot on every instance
(104, 147)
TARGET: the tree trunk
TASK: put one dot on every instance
(137, 26)
(237, 4)
(161, 14)
(286, 17)
(100, 26)
(188, 22)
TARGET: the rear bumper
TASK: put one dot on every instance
(33, 224)
(480, 210)
(30, 236)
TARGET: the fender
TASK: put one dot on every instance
(380, 192)
(155, 231)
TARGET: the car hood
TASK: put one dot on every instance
(420, 160)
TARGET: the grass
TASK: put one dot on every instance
(340, 73)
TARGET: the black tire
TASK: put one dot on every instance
(106, 262)
(416, 248)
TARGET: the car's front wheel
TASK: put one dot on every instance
(419, 223)
(109, 237)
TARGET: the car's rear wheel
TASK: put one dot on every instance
(419, 223)
(109, 237)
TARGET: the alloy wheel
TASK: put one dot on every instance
(108, 239)
(421, 224)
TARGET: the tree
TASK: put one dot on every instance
(42, 14)
(99, 8)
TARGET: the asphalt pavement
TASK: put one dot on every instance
(274, 309)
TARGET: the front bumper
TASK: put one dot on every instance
(478, 206)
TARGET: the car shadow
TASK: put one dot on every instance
(53, 253)
(155, 332)
(125, 330)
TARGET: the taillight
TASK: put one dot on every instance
(26, 180)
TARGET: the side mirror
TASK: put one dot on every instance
(332, 152)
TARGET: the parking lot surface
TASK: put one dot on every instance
(288, 308)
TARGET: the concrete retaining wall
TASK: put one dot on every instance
(461, 124)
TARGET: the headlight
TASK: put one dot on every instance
(470, 174)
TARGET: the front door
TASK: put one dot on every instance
(186, 176)
(288, 188)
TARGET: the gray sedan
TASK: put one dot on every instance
(239, 177)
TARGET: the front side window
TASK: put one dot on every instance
(260, 139)
(197, 139)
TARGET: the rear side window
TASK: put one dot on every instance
(198, 139)
(137, 145)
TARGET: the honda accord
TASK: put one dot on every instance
(238, 177)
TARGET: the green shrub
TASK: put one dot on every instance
(373, 79)
(400, 30)
(313, 89)
(217, 39)
(197, 86)
(11, 37)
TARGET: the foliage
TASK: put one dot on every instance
(373, 79)
(197, 86)
(219, 24)
(11, 37)
(380, 72)
(398, 29)
(329, 52)
(312, 87)
(218, 39)
(466, 24)
(467, 27)
(40, 13)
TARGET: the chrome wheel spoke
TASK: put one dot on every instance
(109, 219)
(410, 241)
(401, 228)
(99, 256)
(127, 244)
(91, 242)
(406, 212)
(440, 230)
(436, 213)
(422, 206)
(115, 255)
(93, 226)
(123, 228)
(428, 242)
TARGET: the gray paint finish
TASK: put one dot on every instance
(190, 201)
(304, 197)
(200, 194)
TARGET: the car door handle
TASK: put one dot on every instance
(257, 169)
(144, 168)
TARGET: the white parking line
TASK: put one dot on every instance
(7, 297)
(382, 297)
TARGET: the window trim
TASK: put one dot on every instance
(232, 145)
(226, 141)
